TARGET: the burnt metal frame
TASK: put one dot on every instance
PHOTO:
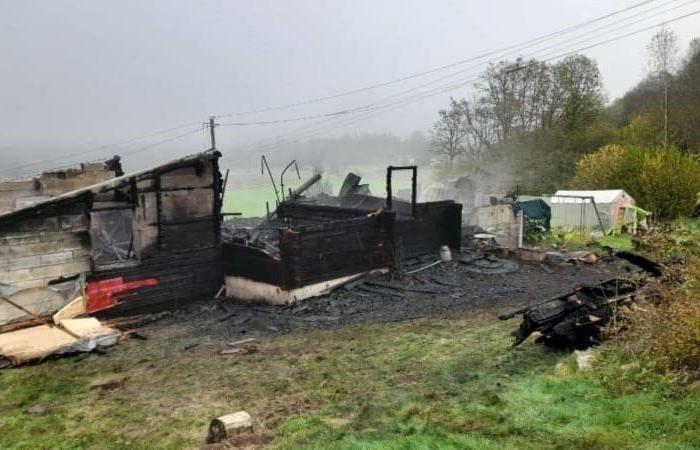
(296, 166)
(414, 180)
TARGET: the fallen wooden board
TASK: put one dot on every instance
(37, 343)
(248, 290)
(72, 310)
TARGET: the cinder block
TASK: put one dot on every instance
(20, 262)
(57, 258)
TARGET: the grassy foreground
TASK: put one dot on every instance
(433, 383)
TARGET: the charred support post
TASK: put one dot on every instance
(159, 211)
(414, 183)
(219, 186)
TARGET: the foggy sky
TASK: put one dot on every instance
(81, 74)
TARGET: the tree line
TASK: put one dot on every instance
(538, 122)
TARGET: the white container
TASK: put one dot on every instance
(445, 254)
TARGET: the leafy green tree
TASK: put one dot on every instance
(665, 181)
(580, 83)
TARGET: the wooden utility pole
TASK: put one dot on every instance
(212, 134)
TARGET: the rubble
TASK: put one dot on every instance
(155, 238)
(313, 246)
(577, 318)
(453, 288)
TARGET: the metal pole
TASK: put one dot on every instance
(600, 222)
(263, 166)
(212, 135)
(294, 162)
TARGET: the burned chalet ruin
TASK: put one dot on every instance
(153, 239)
(314, 245)
(141, 240)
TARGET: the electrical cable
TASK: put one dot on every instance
(437, 69)
(437, 91)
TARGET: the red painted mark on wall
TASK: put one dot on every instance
(104, 294)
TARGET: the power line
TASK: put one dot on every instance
(437, 91)
(440, 68)
(378, 108)
(371, 107)
(155, 144)
(298, 119)
(574, 38)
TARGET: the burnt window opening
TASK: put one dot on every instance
(112, 238)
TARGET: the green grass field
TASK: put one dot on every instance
(432, 384)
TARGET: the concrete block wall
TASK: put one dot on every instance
(500, 220)
(34, 258)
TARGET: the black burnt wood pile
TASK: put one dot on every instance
(578, 318)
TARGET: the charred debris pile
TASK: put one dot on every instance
(577, 319)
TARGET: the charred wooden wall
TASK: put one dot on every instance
(177, 238)
(296, 213)
(252, 263)
(324, 242)
(435, 224)
(327, 250)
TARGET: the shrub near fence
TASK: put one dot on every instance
(664, 181)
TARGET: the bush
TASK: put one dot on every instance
(665, 331)
(669, 331)
(664, 181)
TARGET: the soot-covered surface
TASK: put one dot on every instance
(447, 288)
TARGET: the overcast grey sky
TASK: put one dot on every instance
(80, 74)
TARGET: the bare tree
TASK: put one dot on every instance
(663, 50)
(450, 131)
